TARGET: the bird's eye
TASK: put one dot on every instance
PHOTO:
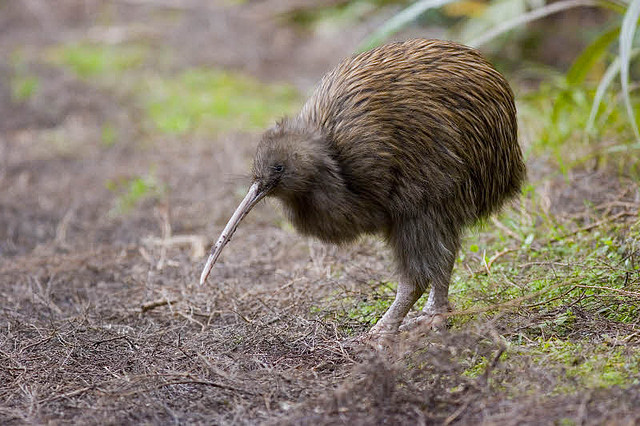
(279, 168)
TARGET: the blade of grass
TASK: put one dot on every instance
(400, 20)
(605, 82)
(627, 33)
(532, 16)
(612, 70)
(590, 55)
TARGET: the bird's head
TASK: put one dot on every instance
(290, 159)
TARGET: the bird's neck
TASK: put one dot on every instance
(320, 214)
(328, 210)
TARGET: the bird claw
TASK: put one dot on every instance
(374, 340)
(432, 321)
(379, 337)
(382, 336)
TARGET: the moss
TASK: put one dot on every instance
(586, 365)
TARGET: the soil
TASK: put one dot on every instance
(101, 317)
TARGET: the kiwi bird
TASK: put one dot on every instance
(412, 141)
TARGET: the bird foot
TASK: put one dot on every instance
(379, 342)
(379, 337)
(382, 328)
(428, 320)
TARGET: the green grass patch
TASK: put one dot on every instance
(575, 365)
(199, 100)
(23, 83)
(594, 268)
(213, 101)
(555, 118)
(88, 60)
(335, 15)
(24, 86)
(132, 191)
(368, 311)
(589, 366)
(108, 135)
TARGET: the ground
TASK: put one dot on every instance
(128, 128)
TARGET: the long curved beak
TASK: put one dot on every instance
(251, 199)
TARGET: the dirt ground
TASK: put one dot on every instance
(101, 317)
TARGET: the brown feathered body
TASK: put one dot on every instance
(412, 141)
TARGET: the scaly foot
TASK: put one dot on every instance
(434, 319)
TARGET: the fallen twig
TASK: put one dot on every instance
(506, 229)
(499, 255)
(512, 303)
(593, 225)
(155, 304)
(190, 382)
(125, 338)
(616, 290)
(67, 394)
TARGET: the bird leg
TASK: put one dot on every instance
(438, 302)
(407, 295)
(425, 249)
(432, 313)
